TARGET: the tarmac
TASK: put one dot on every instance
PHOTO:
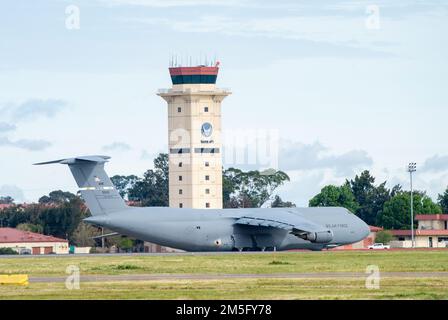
(168, 277)
(204, 253)
(137, 254)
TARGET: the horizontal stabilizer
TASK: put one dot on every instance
(98, 159)
(105, 235)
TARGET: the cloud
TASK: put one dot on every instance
(435, 164)
(324, 8)
(29, 110)
(5, 127)
(26, 144)
(117, 146)
(303, 187)
(175, 3)
(36, 108)
(338, 36)
(32, 109)
(145, 155)
(299, 156)
(13, 191)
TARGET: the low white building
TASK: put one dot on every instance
(25, 242)
(432, 232)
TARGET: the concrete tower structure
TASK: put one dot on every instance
(194, 133)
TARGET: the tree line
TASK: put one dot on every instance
(241, 189)
(378, 205)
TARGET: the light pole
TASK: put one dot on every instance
(412, 167)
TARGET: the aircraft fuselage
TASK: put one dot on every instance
(215, 229)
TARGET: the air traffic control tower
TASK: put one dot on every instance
(194, 137)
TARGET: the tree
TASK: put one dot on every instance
(396, 189)
(152, 190)
(124, 183)
(383, 237)
(83, 234)
(362, 186)
(334, 196)
(6, 200)
(380, 196)
(229, 186)
(58, 220)
(252, 188)
(37, 228)
(397, 210)
(443, 201)
(279, 203)
(57, 197)
(61, 221)
(8, 251)
(126, 244)
(370, 198)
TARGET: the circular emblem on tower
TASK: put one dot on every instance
(206, 129)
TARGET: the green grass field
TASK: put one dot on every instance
(277, 262)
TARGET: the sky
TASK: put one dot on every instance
(331, 87)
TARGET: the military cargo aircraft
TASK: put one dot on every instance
(247, 229)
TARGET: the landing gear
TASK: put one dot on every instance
(262, 249)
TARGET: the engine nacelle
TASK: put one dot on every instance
(319, 237)
(223, 243)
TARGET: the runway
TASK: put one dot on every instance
(208, 253)
(141, 254)
(169, 277)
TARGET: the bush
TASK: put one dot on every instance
(383, 237)
(126, 267)
(8, 251)
(277, 262)
(36, 228)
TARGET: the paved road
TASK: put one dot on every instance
(322, 275)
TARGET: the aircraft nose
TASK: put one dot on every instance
(364, 229)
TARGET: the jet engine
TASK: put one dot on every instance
(318, 237)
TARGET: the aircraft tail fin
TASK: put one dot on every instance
(96, 188)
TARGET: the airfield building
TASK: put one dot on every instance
(25, 242)
(432, 232)
(194, 137)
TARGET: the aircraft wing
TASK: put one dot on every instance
(294, 223)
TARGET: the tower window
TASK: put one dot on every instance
(207, 164)
(181, 205)
(180, 164)
(179, 109)
(180, 178)
(206, 150)
(207, 204)
(207, 178)
(180, 191)
(179, 150)
(207, 191)
(205, 109)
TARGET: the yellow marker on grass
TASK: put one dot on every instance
(14, 279)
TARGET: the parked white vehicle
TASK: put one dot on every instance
(379, 246)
